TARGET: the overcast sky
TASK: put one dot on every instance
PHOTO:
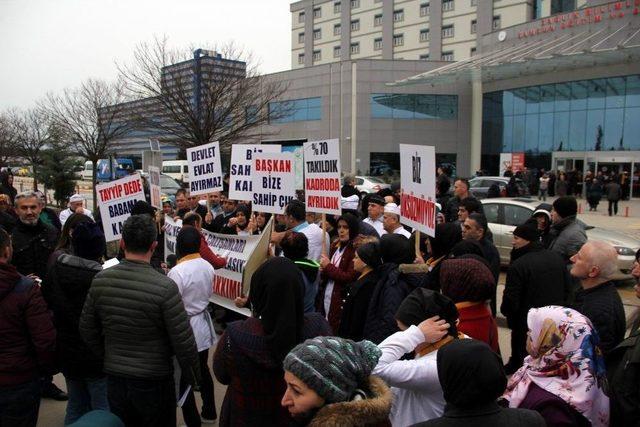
(47, 45)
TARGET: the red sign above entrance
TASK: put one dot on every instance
(589, 15)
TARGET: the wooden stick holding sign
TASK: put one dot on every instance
(418, 254)
(324, 234)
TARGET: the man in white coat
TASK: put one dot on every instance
(391, 220)
(376, 211)
(194, 277)
(76, 205)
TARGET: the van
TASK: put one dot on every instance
(87, 172)
(176, 169)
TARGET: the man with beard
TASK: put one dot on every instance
(536, 277)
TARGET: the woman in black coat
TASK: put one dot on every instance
(6, 185)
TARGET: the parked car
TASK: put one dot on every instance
(168, 185)
(176, 169)
(480, 186)
(370, 184)
(504, 214)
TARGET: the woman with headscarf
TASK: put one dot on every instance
(329, 383)
(337, 271)
(6, 185)
(542, 216)
(415, 384)
(65, 241)
(358, 294)
(440, 246)
(249, 355)
(392, 287)
(262, 219)
(240, 224)
(470, 284)
(471, 386)
(563, 378)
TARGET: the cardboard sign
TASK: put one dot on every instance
(116, 199)
(240, 181)
(205, 170)
(154, 187)
(322, 176)
(244, 255)
(417, 179)
(273, 182)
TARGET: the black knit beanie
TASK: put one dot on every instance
(88, 241)
(142, 208)
(333, 367)
(369, 253)
(422, 304)
(565, 206)
(527, 231)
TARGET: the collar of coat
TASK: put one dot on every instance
(372, 410)
(189, 257)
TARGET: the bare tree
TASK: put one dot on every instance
(32, 130)
(90, 116)
(200, 96)
(7, 140)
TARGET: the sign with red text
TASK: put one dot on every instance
(116, 199)
(205, 170)
(417, 179)
(154, 187)
(273, 182)
(240, 181)
(513, 162)
(322, 176)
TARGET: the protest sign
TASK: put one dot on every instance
(322, 176)
(205, 171)
(417, 179)
(513, 161)
(244, 254)
(154, 186)
(273, 182)
(240, 182)
(116, 199)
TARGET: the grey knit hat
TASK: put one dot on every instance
(333, 367)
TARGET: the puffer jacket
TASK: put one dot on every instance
(568, 237)
(134, 317)
(32, 245)
(67, 285)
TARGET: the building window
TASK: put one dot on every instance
(317, 55)
(398, 15)
(414, 106)
(300, 17)
(424, 35)
(337, 29)
(377, 44)
(337, 51)
(424, 57)
(297, 110)
(301, 58)
(473, 51)
(355, 25)
(447, 31)
(474, 26)
(377, 20)
(398, 39)
(337, 7)
(317, 12)
(317, 34)
(355, 4)
(300, 37)
(355, 48)
(447, 56)
(447, 5)
(496, 22)
(424, 9)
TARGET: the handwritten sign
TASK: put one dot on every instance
(322, 176)
(154, 187)
(116, 199)
(205, 170)
(417, 178)
(273, 182)
(240, 181)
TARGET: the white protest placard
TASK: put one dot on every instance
(240, 182)
(244, 255)
(115, 199)
(154, 187)
(273, 182)
(205, 170)
(417, 179)
(322, 176)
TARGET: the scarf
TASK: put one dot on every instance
(565, 361)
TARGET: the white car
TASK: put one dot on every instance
(370, 184)
(504, 214)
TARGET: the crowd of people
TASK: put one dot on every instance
(364, 323)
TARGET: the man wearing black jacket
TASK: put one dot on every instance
(536, 277)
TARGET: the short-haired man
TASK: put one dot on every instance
(192, 219)
(349, 188)
(213, 201)
(375, 211)
(296, 219)
(76, 205)
(216, 224)
(568, 234)
(27, 347)
(134, 318)
(460, 193)
(595, 265)
(295, 246)
(467, 207)
(391, 220)
(193, 202)
(181, 203)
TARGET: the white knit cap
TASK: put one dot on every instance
(76, 198)
(392, 208)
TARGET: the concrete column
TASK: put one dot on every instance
(308, 35)
(387, 29)
(476, 125)
(345, 28)
(435, 30)
(484, 16)
(354, 114)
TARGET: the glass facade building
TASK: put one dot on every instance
(297, 110)
(413, 106)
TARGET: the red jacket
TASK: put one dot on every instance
(207, 254)
(342, 275)
(477, 322)
(27, 335)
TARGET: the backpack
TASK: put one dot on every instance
(623, 372)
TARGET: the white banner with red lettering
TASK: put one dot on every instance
(417, 179)
(273, 182)
(240, 181)
(244, 254)
(116, 199)
(322, 176)
(205, 170)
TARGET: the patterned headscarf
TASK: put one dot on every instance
(565, 361)
(466, 279)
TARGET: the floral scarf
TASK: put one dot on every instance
(565, 361)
